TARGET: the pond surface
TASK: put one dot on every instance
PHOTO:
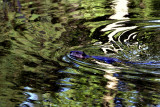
(37, 36)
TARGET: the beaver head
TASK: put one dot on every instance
(79, 54)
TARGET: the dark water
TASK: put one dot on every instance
(37, 36)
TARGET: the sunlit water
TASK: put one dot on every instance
(36, 37)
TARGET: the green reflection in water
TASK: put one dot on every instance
(35, 35)
(84, 90)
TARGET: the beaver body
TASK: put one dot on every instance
(109, 60)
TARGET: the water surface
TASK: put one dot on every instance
(36, 37)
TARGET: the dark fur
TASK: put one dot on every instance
(82, 55)
(79, 54)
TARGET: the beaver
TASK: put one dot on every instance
(109, 60)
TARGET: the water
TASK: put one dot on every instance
(36, 37)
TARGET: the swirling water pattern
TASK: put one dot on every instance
(36, 38)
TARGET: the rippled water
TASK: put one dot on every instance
(36, 37)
